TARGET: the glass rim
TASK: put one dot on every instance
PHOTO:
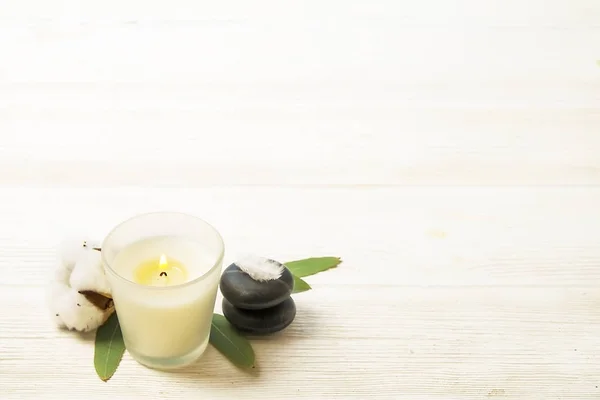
(217, 262)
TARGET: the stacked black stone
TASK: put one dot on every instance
(257, 307)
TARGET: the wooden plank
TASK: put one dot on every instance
(471, 12)
(403, 343)
(323, 144)
(473, 92)
(343, 50)
(515, 13)
(428, 236)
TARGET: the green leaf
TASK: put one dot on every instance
(311, 266)
(300, 285)
(230, 343)
(109, 348)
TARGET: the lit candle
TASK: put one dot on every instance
(164, 289)
(161, 272)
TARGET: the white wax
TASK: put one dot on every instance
(165, 322)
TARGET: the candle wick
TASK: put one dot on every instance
(163, 273)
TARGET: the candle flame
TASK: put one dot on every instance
(162, 264)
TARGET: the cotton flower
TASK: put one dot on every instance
(259, 268)
(88, 273)
(74, 311)
(70, 250)
(78, 293)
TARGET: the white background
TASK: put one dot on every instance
(448, 151)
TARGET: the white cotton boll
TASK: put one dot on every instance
(61, 274)
(73, 311)
(79, 268)
(69, 251)
(259, 268)
(88, 273)
(92, 245)
(56, 291)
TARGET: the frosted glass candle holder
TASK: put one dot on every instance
(164, 270)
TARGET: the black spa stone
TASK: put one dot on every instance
(261, 322)
(244, 292)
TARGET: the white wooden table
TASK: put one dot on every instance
(449, 152)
